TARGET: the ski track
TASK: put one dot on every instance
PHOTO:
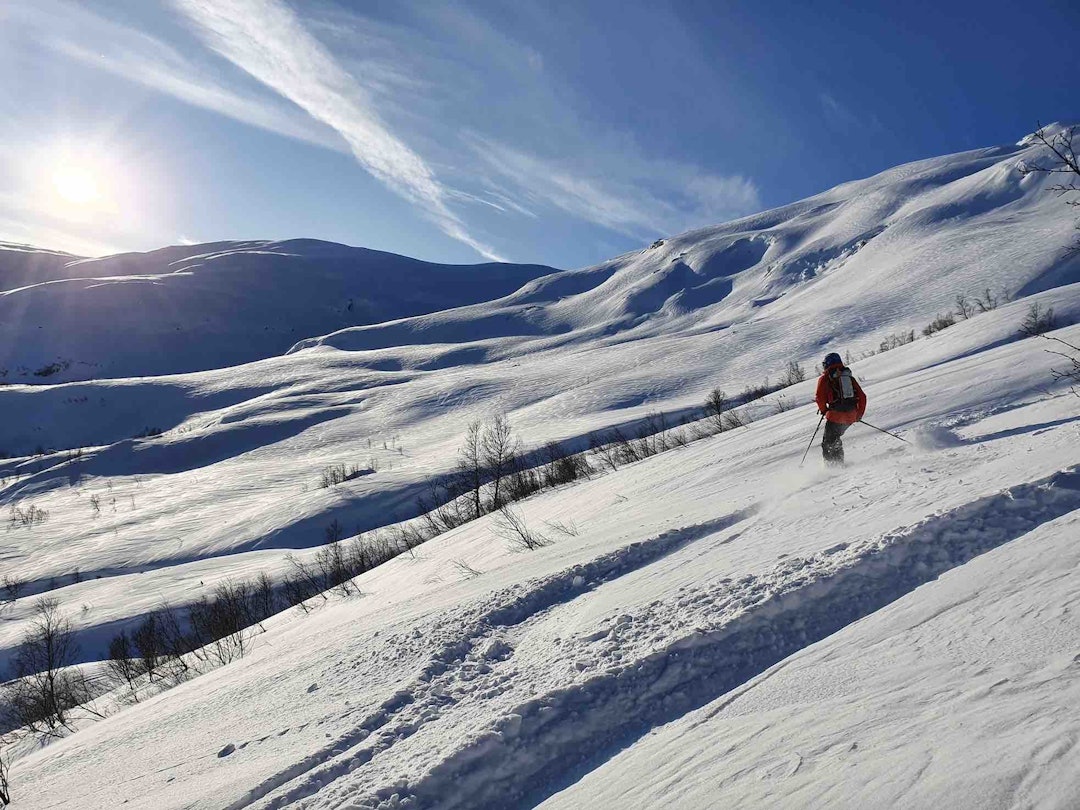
(467, 654)
(736, 630)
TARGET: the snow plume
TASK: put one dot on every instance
(266, 39)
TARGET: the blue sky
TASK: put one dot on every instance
(554, 132)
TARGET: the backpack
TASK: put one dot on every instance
(844, 397)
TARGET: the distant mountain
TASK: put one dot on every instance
(189, 308)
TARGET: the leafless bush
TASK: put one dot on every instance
(558, 466)
(28, 516)
(47, 685)
(510, 526)
(221, 624)
(5, 774)
(604, 450)
(497, 450)
(1038, 320)
(782, 404)
(715, 405)
(95, 505)
(302, 584)
(124, 665)
(332, 563)
(735, 418)
(263, 598)
(939, 323)
(10, 588)
(964, 307)
(337, 474)
(470, 468)
(987, 300)
(794, 373)
(762, 389)
(897, 340)
(1061, 160)
(465, 570)
(524, 478)
(148, 645)
(569, 528)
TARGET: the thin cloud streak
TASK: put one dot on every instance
(79, 35)
(267, 40)
(644, 199)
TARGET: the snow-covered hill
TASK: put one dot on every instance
(189, 308)
(692, 635)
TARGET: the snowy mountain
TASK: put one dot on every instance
(708, 626)
(190, 308)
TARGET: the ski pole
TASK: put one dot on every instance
(822, 419)
(875, 427)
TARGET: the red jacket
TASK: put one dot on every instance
(827, 394)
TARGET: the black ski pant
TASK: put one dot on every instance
(832, 446)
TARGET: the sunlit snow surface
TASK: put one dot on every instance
(720, 628)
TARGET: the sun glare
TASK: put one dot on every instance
(76, 185)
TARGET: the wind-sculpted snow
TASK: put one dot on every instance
(650, 668)
(183, 309)
(468, 674)
(471, 646)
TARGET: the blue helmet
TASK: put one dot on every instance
(832, 359)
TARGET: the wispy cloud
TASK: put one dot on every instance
(638, 198)
(843, 118)
(267, 40)
(75, 33)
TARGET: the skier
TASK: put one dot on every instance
(840, 399)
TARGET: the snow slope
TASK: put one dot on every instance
(188, 308)
(689, 574)
(680, 579)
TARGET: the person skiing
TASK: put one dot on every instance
(840, 399)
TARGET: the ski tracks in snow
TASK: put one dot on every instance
(684, 652)
(469, 645)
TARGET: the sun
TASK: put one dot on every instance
(77, 185)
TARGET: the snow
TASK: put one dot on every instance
(189, 308)
(712, 626)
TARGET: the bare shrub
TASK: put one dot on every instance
(897, 340)
(964, 307)
(149, 646)
(1061, 160)
(939, 323)
(715, 405)
(303, 583)
(470, 468)
(5, 774)
(337, 474)
(10, 588)
(221, 624)
(752, 392)
(735, 418)
(124, 664)
(604, 450)
(510, 526)
(334, 569)
(46, 685)
(264, 600)
(524, 480)
(497, 449)
(794, 373)
(27, 516)
(569, 528)
(465, 570)
(987, 300)
(1038, 320)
